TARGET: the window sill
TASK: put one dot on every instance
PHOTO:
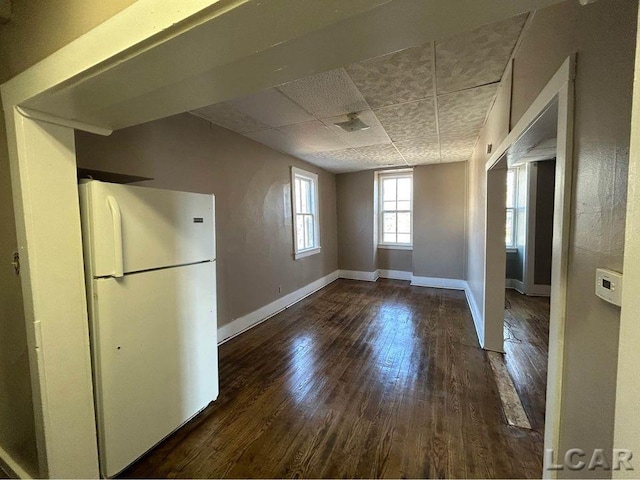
(388, 246)
(306, 253)
(512, 250)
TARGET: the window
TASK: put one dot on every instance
(306, 230)
(395, 207)
(512, 192)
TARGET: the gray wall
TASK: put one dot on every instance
(603, 34)
(37, 29)
(390, 259)
(514, 266)
(439, 243)
(545, 189)
(439, 204)
(356, 247)
(252, 187)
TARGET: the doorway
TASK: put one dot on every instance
(532, 140)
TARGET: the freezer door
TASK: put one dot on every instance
(155, 357)
(132, 229)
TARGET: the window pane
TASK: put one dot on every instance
(389, 189)
(304, 195)
(404, 238)
(308, 231)
(298, 197)
(404, 205)
(404, 222)
(389, 238)
(404, 189)
(389, 222)
(509, 238)
(389, 206)
(299, 232)
(511, 188)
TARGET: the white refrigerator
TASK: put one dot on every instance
(151, 284)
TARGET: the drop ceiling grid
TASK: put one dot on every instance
(423, 104)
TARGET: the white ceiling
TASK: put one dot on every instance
(424, 104)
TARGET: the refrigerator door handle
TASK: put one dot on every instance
(116, 220)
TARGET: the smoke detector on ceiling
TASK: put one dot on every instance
(354, 124)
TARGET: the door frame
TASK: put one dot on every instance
(42, 153)
(561, 89)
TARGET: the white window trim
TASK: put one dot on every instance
(307, 252)
(380, 177)
(513, 247)
(395, 246)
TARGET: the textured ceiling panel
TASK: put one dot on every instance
(226, 116)
(339, 161)
(382, 155)
(374, 135)
(459, 150)
(395, 78)
(281, 142)
(272, 108)
(417, 152)
(316, 135)
(393, 94)
(477, 57)
(461, 117)
(327, 94)
(410, 121)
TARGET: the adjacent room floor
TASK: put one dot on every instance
(358, 380)
(526, 346)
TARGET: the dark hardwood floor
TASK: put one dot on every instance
(358, 380)
(526, 351)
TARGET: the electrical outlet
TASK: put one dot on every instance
(279, 288)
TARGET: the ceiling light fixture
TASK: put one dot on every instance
(354, 124)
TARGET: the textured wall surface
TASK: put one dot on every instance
(252, 184)
(357, 249)
(628, 381)
(389, 259)
(37, 29)
(545, 186)
(603, 34)
(439, 194)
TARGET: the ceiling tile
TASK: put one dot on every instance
(398, 77)
(280, 141)
(272, 108)
(374, 135)
(316, 135)
(327, 94)
(418, 152)
(340, 161)
(382, 155)
(409, 121)
(478, 57)
(461, 116)
(458, 151)
(226, 116)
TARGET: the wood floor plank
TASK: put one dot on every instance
(361, 379)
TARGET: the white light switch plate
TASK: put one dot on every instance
(609, 286)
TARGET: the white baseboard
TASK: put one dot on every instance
(241, 324)
(514, 284)
(539, 290)
(475, 314)
(10, 466)
(533, 291)
(395, 274)
(356, 275)
(434, 282)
